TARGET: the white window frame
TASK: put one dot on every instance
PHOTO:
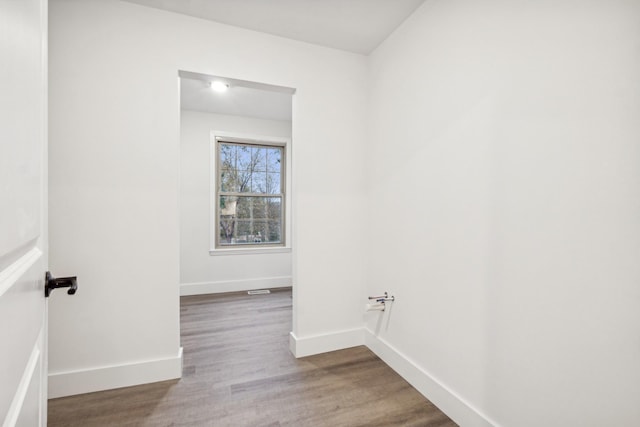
(234, 137)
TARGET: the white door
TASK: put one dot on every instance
(23, 212)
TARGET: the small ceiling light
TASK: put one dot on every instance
(219, 86)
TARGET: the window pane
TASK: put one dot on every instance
(274, 232)
(227, 210)
(228, 180)
(258, 159)
(274, 208)
(243, 158)
(244, 231)
(259, 182)
(228, 155)
(228, 174)
(228, 206)
(274, 156)
(250, 220)
(273, 184)
(260, 208)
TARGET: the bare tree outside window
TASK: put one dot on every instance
(250, 194)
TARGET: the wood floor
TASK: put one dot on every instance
(238, 372)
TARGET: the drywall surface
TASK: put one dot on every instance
(504, 173)
(114, 174)
(199, 269)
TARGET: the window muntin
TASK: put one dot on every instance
(250, 194)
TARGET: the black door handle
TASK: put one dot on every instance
(51, 283)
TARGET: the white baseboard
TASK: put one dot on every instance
(108, 377)
(316, 344)
(200, 288)
(459, 410)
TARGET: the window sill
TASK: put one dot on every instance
(249, 251)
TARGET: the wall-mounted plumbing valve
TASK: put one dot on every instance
(380, 302)
(383, 298)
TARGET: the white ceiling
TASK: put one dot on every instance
(354, 25)
(242, 99)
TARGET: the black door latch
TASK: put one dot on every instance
(51, 283)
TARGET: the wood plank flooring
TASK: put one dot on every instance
(238, 372)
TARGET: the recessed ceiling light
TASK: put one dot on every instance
(219, 86)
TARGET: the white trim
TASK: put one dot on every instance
(21, 393)
(238, 137)
(323, 343)
(43, 240)
(249, 251)
(108, 377)
(236, 82)
(448, 401)
(10, 275)
(200, 288)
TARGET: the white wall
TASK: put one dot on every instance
(114, 172)
(504, 170)
(199, 271)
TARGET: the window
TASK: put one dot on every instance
(249, 193)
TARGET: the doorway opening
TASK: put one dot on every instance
(235, 185)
